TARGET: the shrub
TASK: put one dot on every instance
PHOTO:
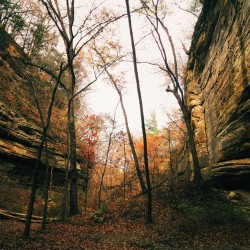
(192, 217)
(210, 213)
(55, 211)
(100, 215)
(221, 214)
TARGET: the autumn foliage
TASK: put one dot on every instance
(88, 130)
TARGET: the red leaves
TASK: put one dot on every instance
(88, 130)
(94, 134)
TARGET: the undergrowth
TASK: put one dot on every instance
(100, 215)
(208, 211)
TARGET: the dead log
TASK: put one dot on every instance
(21, 217)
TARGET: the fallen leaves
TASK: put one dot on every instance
(119, 232)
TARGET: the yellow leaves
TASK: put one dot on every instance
(13, 51)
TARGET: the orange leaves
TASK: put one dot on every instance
(114, 45)
(44, 76)
(157, 151)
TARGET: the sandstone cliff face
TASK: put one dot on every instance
(19, 138)
(20, 131)
(218, 90)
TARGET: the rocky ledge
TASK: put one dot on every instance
(19, 142)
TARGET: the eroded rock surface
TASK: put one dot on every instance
(20, 138)
(218, 90)
(20, 129)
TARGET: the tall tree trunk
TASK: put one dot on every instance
(47, 185)
(26, 232)
(65, 26)
(87, 184)
(45, 126)
(64, 214)
(149, 218)
(197, 180)
(124, 172)
(172, 187)
(105, 164)
(73, 202)
(86, 192)
(131, 143)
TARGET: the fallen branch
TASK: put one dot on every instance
(144, 192)
(21, 217)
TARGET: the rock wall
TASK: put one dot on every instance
(20, 138)
(20, 131)
(218, 90)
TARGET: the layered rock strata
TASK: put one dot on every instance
(20, 131)
(218, 91)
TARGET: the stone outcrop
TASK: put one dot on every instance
(20, 131)
(20, 138)
(218, 91)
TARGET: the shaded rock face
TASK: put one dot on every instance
(218, 90)
(20, 135)
(20, 138)
(19, 142)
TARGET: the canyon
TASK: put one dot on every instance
(217, 94)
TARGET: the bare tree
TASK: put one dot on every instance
(110, 137)
(45, 126)
(75, 37)
(149, 218)
(158, 26)
(119, 92)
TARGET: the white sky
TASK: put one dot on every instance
(103, 98)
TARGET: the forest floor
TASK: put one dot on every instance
(200, 222)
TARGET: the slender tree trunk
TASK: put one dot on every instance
(132, 146)
(65, 203)
(86, 194)
(170, 160)
(131, 143)
(73, 202)
(47, 185)
(87, 184)
(149, 218)
(124, 172)
(198, 180)
(172, 170)
(105, 167)
(26, 232)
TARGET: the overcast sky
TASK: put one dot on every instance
(103, 98)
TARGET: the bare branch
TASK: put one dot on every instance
(188, 11)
